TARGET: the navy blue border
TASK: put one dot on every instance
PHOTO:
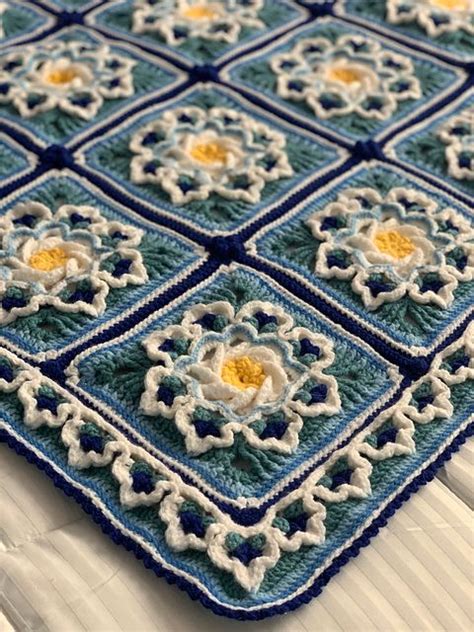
(193, 591)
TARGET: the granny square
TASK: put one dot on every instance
(394, 81)
(327, 243)
(237, 274)
(193, 33)
(240, 447)
(112, 76)
(117, 263)
(273, 159)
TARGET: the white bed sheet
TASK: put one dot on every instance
(60, 573)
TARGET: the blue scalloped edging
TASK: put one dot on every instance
(195, 593)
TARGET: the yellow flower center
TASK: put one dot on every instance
(393, 243)
(209, 153)
(451, 5)
(61, 76)
(345, 75)
(48, 259)
(243, 373)
(199, 12)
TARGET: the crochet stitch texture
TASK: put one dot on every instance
(237, 273)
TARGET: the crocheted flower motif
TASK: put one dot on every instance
(458, 134)
(179, 20)
(75, 77)
(219, 373)
(434, 16)
(192, 153)
(68, 260)
(394, 245)
(353, 74)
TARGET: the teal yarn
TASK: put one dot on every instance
(21, 21)
(13, 161)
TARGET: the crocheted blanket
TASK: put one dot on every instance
(237, 273)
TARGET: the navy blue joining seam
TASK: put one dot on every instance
(21, 138)
(120, 538)
(43, 6)
(23, 180)
(139, 208)
(294, 199)
(204, 239)
(319, 9)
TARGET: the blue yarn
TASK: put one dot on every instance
(205, 428)
(6, 372)
(165, 395)
(264, 319)
(206, 72)
(307, 348)
(44, 402)
(245, 552)
(296, 524)
(192, 523)
(142, 482)
(69, 18)
(387, 436)
(56, 157)
(10, 302)
(92, 443)
(274, 429)
(318, 394)
(368, 150)
(341, 478)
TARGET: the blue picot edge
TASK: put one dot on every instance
(193, 591)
